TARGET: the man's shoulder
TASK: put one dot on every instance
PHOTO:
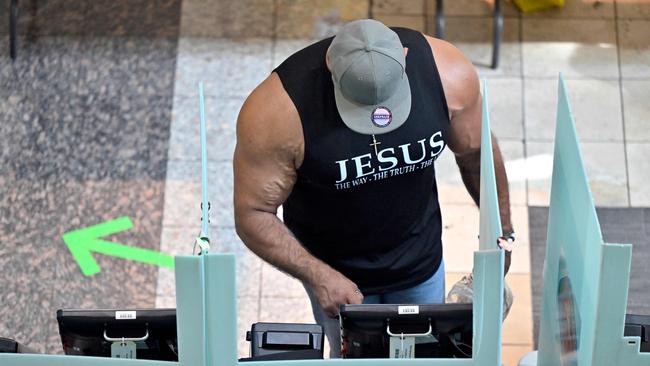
(269, 118)
(457, 73)
(269, 101)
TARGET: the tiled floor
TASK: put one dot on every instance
(100, 117)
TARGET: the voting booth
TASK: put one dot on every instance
(583, 306)
(206, 313)
(585, 280)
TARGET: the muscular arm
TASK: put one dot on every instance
(269, 150)
(464, 101)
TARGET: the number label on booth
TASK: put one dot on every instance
(414, 309)
(125, 315)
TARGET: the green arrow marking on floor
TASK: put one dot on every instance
(83, 242)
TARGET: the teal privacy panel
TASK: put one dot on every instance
(490, 222)
(611, 347)
(487, 316)
(207, 309)
(584, 292)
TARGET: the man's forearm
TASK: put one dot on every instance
(270, 239)
(470, 170)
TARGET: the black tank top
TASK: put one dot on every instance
(374, 218)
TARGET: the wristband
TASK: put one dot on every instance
(509, 242)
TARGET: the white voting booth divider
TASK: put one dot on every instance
(207, 308)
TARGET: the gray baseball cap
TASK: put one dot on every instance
(372, 90)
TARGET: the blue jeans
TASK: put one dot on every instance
(431, 291)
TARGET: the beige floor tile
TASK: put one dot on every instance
(596, 107)
(472, 7)
(459, 236)
(481, 55)
(247, 314)
(634, 36)
(513, 157)
(639, 170)
(278, 284)
(511, 354)
(506, 107)
(453, 194)
(577, 9)
(179, 240)
(286, 310)
(473, 37)
(541, 109)
(518, 326)
(606, 172)
(452, 277)
(221, 121)
(317, 19)
(166, 287)
(580, 48)
(636, 94)
(627, 9)
(539, 161)
(165, 302)
(223, 18)
(183, 183)
(569, 30)
(249, 267)
(451, 189)
(404, 7)
(400, 20)
(286, 47)
(535, 167)
(249, 270)
(219, 63)
(521, 254)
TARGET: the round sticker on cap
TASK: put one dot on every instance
(381, 116)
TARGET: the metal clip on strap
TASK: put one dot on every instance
(204, 245)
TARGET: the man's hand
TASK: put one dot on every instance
(333, 290)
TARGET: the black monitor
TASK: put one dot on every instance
(383, 330)
(93, 332)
